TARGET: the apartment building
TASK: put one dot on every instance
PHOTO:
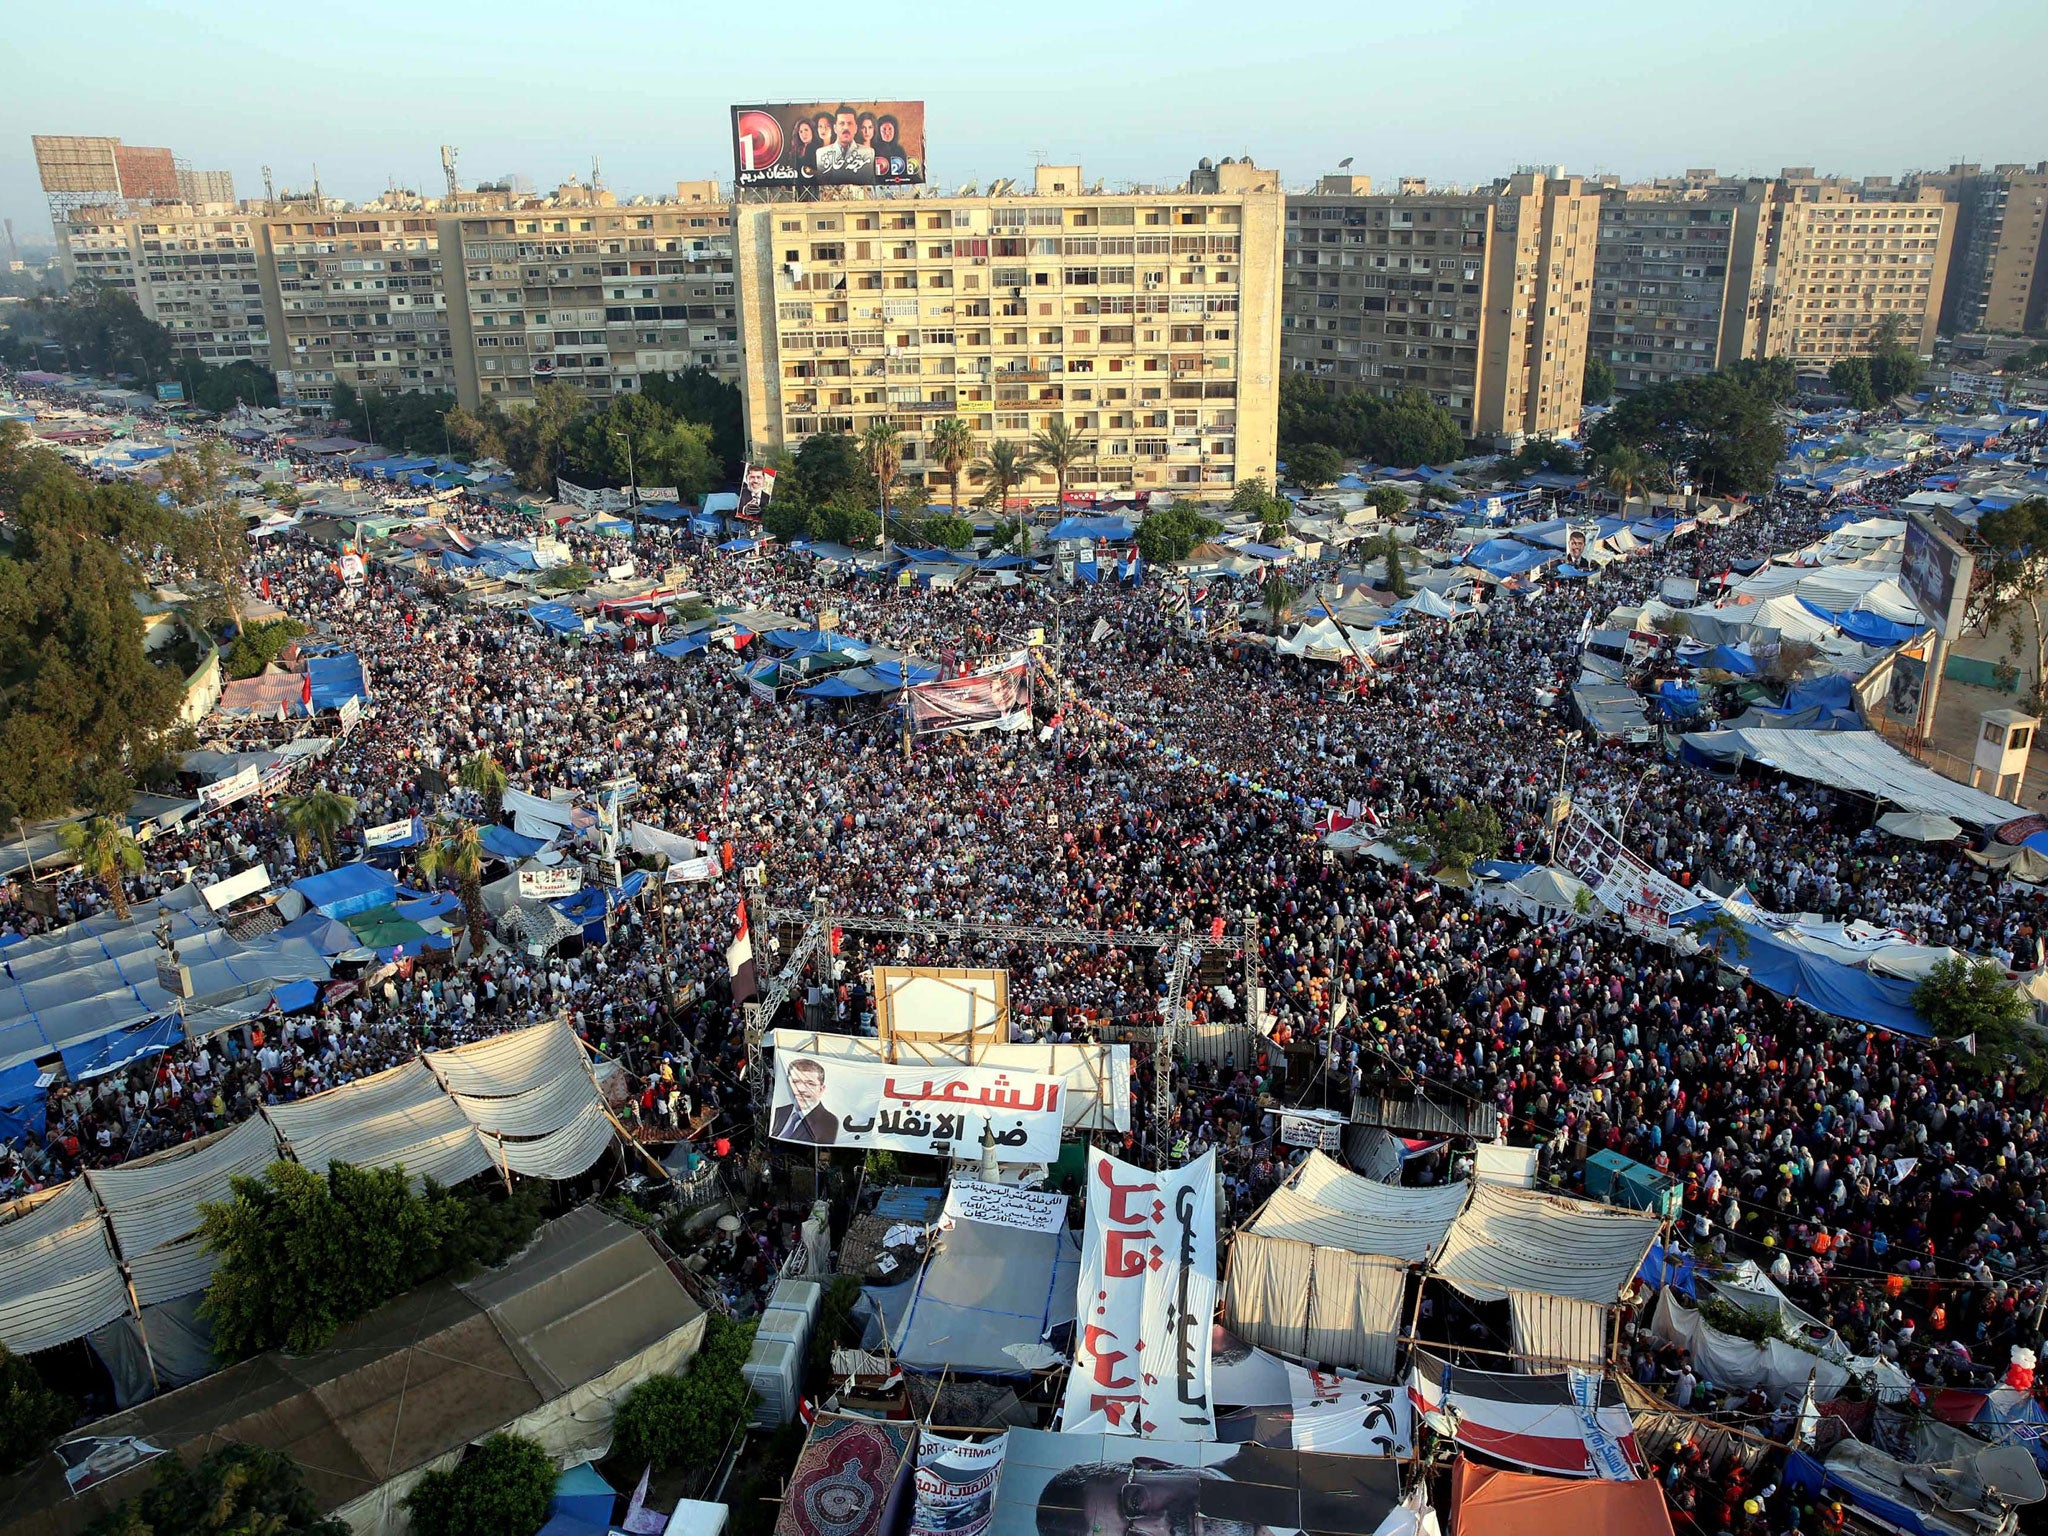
(356, 298)
(1677, 288)
(1145, 321)
(598, 296)
(1998, 276)
(1481, 300)
(1844, 258)
(197, 271)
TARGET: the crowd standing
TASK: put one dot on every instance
(1172, 777)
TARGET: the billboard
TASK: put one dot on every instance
(932, 1110)
(1935, 571)
(998, 698)
(915, 1002)
(757, 485)
(828, 144)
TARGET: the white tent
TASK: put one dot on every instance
(1919, 826)
(1860, 762)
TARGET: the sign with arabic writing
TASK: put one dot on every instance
(937, 1109)
(1147, 1293)
(956, 1484)
(1005, 1205)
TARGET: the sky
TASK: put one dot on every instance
(1458, 91)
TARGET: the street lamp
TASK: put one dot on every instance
(632, 484)
(1621, 829)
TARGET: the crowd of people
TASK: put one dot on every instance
(1175, 777)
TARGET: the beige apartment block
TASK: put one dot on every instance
(1678, 276)
(1146, 321)
(1480, 300)
(595, 296)
(195, 270)
(1845, 258)
(355, 298)
(1998, 277)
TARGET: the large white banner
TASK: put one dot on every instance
(915, 1107)
(1147, 1297)
(550, 884)
(236, 787)
(1005, 1205)
(1623, 883)
(956, 1484)
(384, 835)
(1291, 1406)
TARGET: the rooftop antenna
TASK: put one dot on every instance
(316, 183)
(596, 173)
(269, 192)
(448, 170)
(13, 254)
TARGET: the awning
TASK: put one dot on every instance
(1858, 762)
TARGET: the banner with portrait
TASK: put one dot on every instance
(1281, 1405)
(1624, 884)
(757, 488)
(998, 699)
(956, 1484)
(1109, 1485)
(793, 146)
(936, 1109)
(1148, 1261)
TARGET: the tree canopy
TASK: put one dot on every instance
(1722, 426)
(1314, 465)
(683, 430)
(238, 1490)
(31, 1415)
(1171, 534)
(1991, 1022)
(301, 1253)
(1598, 386)
(501, 1488)
(1405, 431)
(675, 1421)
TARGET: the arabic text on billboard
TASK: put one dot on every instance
(831, 1102)
(828, 144)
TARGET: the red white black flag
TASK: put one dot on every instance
(739, 961)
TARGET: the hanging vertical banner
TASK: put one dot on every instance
(1603, 1451)
(956, 1484)
(1147, 1297)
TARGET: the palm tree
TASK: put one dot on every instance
(455, 852)
(484, 775)
(316, 816)
(1276, 596)
(951, 446)
(105, 850)
(1057, 450)
(881, 446)
(1628, 471)
(1002, 467)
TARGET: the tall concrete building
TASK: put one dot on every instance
(1998, 276)
(1146, 321)
(1678, 276)
(1480, 300)
(598, 295)
(1845, 259)
(197, 271)
(355, 298)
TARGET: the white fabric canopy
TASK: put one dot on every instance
(1918, 826)
(1521, 1240)
(1861, 762)
(1327, 1205)
(156, 1201)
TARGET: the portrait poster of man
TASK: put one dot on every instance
(828, 144)
(1111, 1485)
(804, 1117)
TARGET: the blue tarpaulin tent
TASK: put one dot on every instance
(904, 674)
(556, 618)
(336, 680)
(1729, 658)
(582, 1494)
(296, 996)
(440, 904)
(118, 1048)
(1834, 691)
(1114, 529)
(834, 688)
(504, 843)
(346, 891)
(23, 1105)
(1677, 701)
(1870, 628)
(1846, 991)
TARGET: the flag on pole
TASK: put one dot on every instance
(739, 961)
(1585, 629)
(306, 692)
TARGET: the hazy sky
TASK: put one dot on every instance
(1455, 90)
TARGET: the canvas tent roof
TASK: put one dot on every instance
(1327, 1205)
(985, 1298)
(1487, 1501)
(1861, 762)
(1509, 1240)
(590, 1300)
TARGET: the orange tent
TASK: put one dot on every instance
(1487, 1502)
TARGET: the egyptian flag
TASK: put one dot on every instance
(739, 961)
(306, 691)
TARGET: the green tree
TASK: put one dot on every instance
(685, 1421)
(881, 449)
(827, 464)
(1895, 367)
(1058, 451)
(951, 446)
(1851, 380)
(1540, 454)
(454, 852)
(1171, 534)
(1390, 501)
(1773, 380)
(482, 774)
(223, 388)
(634, 437)
(316, 817)
(1314, 465)
(344, 407)
(789, 519)
(698, 395)
(2016, 576)
(1001, 468)
(1276, 596)
(1724, 426)
(1455, 837)
(105, 850)
(1598, 386)
(501, 1488)
(300, 1253)
(1965, 997)
(537, 437)
(1628, 472)
(573, 577)
(256, 646)
(238, 1490)
(214, 536)
(1254, 499)
(103, 330)
(845, 521)
(31, 1415)
(947, 532)
(1397, 570)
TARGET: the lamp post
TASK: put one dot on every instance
(1621, 828)
(632, 484)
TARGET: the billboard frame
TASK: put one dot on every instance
(781, 128)
(890, 981)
